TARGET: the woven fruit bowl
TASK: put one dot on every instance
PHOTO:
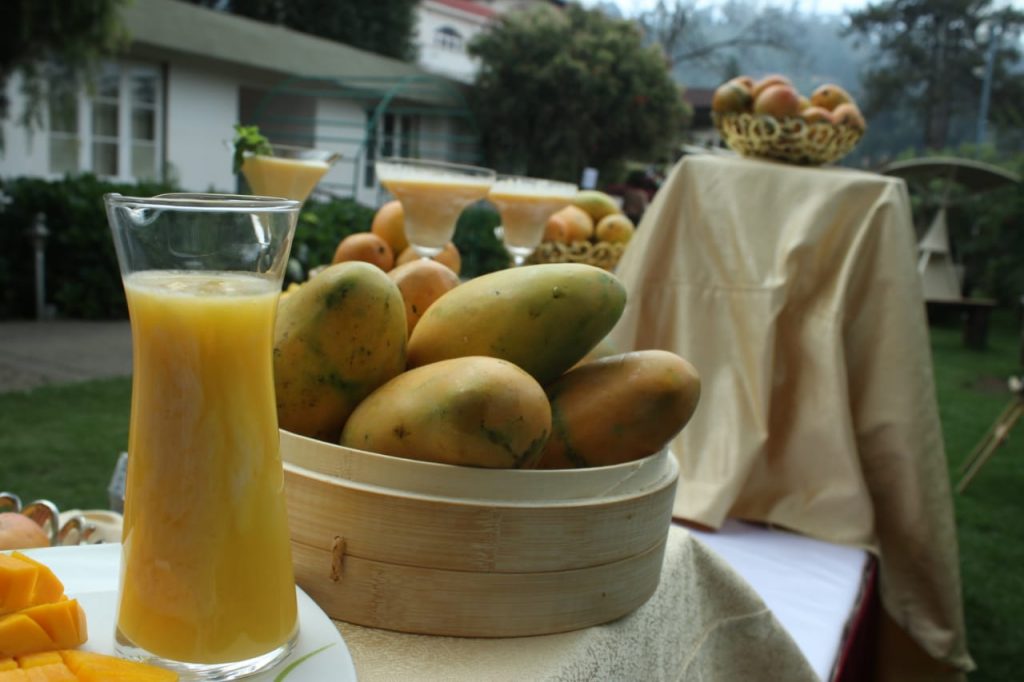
(793, 140)
(601, 254)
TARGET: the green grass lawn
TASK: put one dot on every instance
(972, 392)
(61, 442)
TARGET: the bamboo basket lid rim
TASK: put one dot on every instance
(670, 476)
(450, 483)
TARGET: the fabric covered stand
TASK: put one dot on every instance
(794, 293)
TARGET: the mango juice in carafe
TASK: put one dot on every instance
(206, 573)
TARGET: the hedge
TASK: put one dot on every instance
(82, 275)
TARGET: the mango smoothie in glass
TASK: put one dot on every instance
(206, 582)
(281, 176)
(432, 194)
(525, 204)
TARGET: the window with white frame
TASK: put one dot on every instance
(113, 131)
(448, 38)
(394, 135)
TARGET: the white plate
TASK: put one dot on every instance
(90, 574)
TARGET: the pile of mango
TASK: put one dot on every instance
(505, 370)
(775, 95)
(40, 628)
(593, 216)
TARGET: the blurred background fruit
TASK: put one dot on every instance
(449, 257)
(18, 531)
(578, 223)
(614, 228)
(389, 225)
(421, 282)
(780, 101)
(597, 204)
(829, 96)
(366, 247)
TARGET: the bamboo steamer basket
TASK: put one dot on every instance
(438, 549)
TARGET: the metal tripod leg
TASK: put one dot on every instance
(1000, 431)
(986, 440)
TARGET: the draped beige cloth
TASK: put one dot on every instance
(794, 293)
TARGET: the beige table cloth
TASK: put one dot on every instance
(704, 623)
(794, 293)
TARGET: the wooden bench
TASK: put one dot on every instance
(975, 313)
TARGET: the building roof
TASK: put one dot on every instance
(469, 7)
(210, 34)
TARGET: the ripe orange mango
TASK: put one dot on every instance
(79, 666)
(25, 582)
(60, 625)
(579, 224)
(450, 257)
(768, 81)
(813, 114)
(421, 282)
(780, 101)
(829, 96)
(18, 531)
(732, 97)
(848, 114)
(92, 667)
(367, 247)
(389, 224)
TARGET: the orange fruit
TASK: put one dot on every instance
(732, 97)
(578, 222)
(450, 257)
(422, 282)
(389, 225)
(829, 96)
(365, 246)
(18, 531)
(556, 229)
(848, 114)
(780, 101)
(745, 81)
(615, 228)
(768, 81)
(813, 114)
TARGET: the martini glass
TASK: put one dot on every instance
(290, 172)
(432, 194)
(525, 204)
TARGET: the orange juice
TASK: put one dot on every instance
(274, 176)
(206, 572)
(432, 204)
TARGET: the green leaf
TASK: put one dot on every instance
(294, 664)
(249, 139)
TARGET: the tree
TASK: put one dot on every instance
(684, 32)
(40, 37)
(382, 26)
(932, 58)
(560, 90)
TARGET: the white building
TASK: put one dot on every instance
(443, 30)
(167, 107)
(445, 27)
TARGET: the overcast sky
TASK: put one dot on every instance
(633, 7)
